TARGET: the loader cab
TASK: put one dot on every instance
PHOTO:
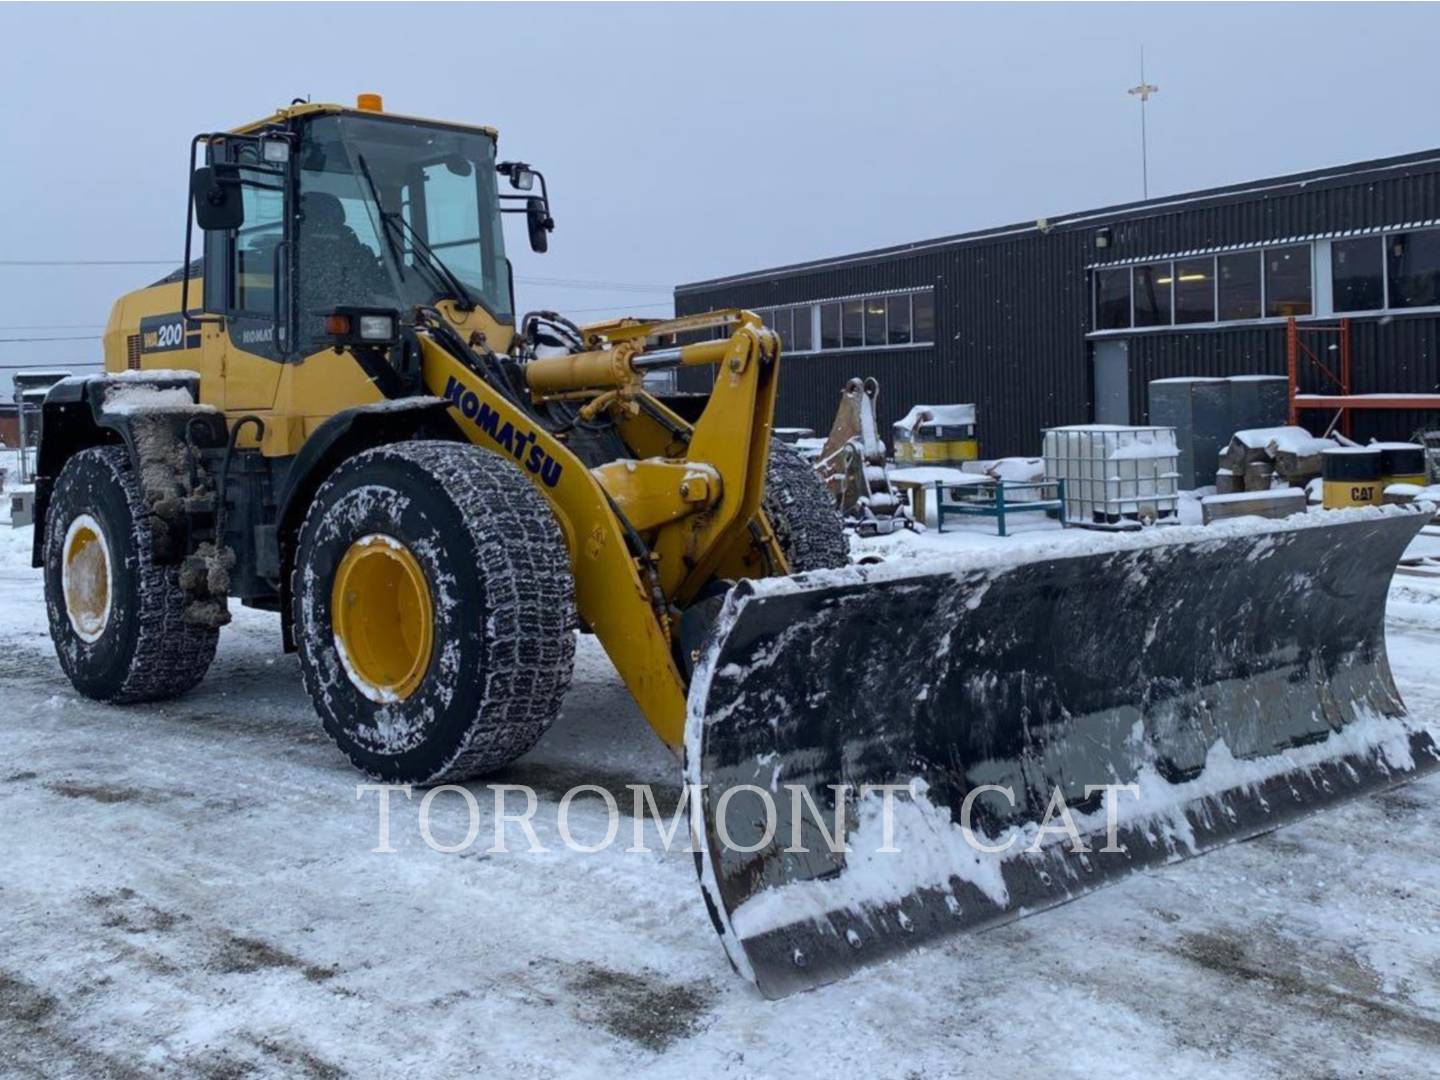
(323, 208)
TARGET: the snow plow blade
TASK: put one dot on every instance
(1158, 694)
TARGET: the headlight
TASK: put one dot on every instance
(377, 327)
(363, 326)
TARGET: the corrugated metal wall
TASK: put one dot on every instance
(1012, 311)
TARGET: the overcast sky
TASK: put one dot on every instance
(684, 142)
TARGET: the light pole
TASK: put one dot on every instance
(1143, 92)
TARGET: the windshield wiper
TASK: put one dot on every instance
(462, 293)
(446, 277)
(384, 218)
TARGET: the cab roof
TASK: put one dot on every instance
(307, 108)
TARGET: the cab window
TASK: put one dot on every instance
(447, 204)
(252, 268)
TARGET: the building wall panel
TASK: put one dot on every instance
(1013, 307)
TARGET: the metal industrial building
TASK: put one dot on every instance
(1065, 320)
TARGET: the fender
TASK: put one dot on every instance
(75, 417)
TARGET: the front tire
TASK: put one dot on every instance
(116, 616)
(433, 606)
(802, 512)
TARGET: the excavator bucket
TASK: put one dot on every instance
(897, 752)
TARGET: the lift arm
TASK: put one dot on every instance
(644, 535)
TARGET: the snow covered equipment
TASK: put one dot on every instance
(852, 464)
(433, 492)
(936, 435)
(1040, 724)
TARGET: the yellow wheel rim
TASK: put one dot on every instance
(383, 618)
(85, 577)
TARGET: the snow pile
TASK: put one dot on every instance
(1017, 470)
(1405, 491)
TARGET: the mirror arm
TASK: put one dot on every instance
(185, 316)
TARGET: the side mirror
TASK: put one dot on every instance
(216, 191)
(539, 222)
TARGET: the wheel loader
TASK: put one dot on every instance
(333, 412)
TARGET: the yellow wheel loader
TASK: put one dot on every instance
(334, 413)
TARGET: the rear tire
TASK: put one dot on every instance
(802, 512)
(483, 654)
(116, 616)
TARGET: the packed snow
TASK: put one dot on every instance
(1283, 440)
(936, 416)
(130, 399)
(189, 888)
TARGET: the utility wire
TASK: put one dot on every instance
(83, 337)
(582, 283)
(619, 310)
(562, 283)
(58, 326)
(87, 262)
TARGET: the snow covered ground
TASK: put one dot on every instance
(189, 889)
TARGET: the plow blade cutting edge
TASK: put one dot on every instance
(890, 754)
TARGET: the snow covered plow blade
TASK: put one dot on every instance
(891, 754)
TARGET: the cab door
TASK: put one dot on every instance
(251, 266)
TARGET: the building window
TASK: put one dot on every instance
(1287, 282)
(878, 321)
(1152, 294)
(899, 319)
(1195, 291)
(1387, 271)
(1413, 262)
(924, 318)
(1239, 286)
(803, 339)
(852, 322)
(875, 321)
(829, 326)
(1357, 273)
(781, 321)
(1112, 299)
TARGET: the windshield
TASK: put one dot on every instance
(436, 187)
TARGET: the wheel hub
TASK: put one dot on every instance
(85, 577)
(383, 618)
